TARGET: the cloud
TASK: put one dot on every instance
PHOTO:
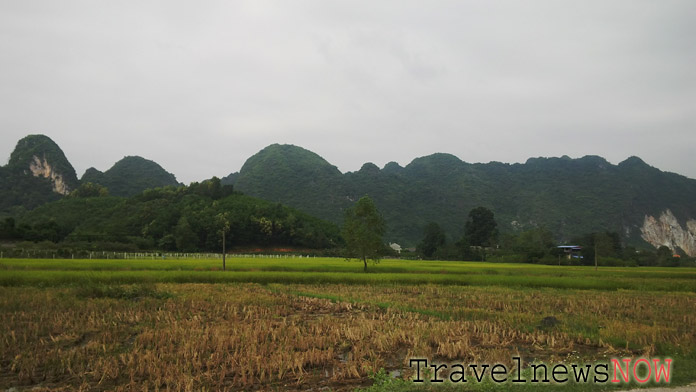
(201, 87)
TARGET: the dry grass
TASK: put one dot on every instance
(247, 336)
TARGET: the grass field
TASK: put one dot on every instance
(300, 324)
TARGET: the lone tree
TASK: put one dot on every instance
(433, 240)
(363, 229)
(480, 229)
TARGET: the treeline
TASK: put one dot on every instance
(185, 219)
(482, 241)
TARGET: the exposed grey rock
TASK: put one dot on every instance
(666, 231)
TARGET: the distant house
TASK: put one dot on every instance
(571, 251)
(396, 247)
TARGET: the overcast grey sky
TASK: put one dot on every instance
(201, 86)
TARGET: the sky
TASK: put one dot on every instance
(199, 87)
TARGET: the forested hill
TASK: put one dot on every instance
(298, 177)
(186, 218)
(39, 172)
(130, 176)
(568, 196)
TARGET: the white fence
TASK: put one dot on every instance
(103, 255)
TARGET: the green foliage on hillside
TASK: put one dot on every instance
(568, 197)
(175, 218)
(230, 179)
(301, 178)
(90, 189)
(19, 191)
(130, 176)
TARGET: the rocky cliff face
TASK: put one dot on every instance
(667, 231)
(40, 167)
(39, 156)
(37, 173)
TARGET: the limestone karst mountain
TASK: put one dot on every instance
(570, 197)
(130, 176)
(36, 173)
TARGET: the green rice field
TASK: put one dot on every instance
(50, 272)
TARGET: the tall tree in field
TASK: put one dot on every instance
(363, 229)
(480, 229)
(433, 240)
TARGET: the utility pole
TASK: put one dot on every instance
(225, 224)
(595, 253)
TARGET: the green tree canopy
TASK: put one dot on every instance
(434, 239)
(185, 236)
(534, 244)
(599, 245)
(90, 189)
(363, 229)
(481, 229)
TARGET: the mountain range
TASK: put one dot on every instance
(38, 172)
(569, 197)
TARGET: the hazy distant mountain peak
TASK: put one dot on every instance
(633, 161)
(369, 167)
(392, 167)
(90, 175)
(288, 172)
(130, 176)
(288, 157)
